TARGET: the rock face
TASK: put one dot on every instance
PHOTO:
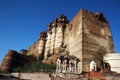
(87, 36)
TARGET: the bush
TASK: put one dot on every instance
(41, 57)
(17, 69)
(36, 67)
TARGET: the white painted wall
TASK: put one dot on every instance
(114, 61)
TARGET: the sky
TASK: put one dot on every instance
(21, 21)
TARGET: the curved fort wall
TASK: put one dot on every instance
(13, 59)
(9, 61)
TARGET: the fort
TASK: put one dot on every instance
(74, 44)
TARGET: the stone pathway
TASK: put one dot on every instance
(5, 76)
(32, 76)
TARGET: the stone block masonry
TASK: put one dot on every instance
(86, 34)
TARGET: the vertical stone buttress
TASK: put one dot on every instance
(48, 44)
(41, 43)
(38, 47)
(59, 37)
(59, 33)
(55, 34)
(52, 40)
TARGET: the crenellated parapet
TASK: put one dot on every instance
(57, 22)
(43, 35)
(100, 17)
(62, 20)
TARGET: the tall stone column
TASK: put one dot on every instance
(78, 67)
(64, 66)
(75, 67)
(61, 24)
(48, 44)
(58, 67)
(70, 66)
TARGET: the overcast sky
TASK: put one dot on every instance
(21, 21)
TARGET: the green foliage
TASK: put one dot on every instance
(41, 57)
(36, 66)
(0, 71)
(3, 71)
